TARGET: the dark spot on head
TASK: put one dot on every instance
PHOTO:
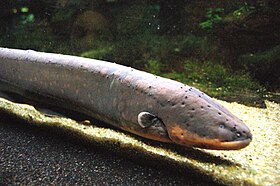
(150, 86)
(173, 104)
(107, 76)
(202, 107)
(244, 132)
(168, 101)
(186, 97)
(208, 106)
(199, 96)
(183, 103)
(219, 113)
(193, 109)
(181, 87)
(226, 119)
(182, 134)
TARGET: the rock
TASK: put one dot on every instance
(87, 28)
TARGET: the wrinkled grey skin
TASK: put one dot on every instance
(117, 94)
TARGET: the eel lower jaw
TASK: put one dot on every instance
(212, 144)
(183, 137)
(219, 145)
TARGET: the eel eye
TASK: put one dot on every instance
(222, 125)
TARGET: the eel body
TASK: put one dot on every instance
(141, 103)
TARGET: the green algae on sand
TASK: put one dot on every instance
(256, 164)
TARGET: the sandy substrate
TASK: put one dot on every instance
(257, 164)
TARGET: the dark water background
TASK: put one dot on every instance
(228, 49)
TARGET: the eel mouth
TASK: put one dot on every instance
(220, 145)
(185, 138)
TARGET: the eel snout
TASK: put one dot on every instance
(223, 137)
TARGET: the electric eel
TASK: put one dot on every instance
(147, 105)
